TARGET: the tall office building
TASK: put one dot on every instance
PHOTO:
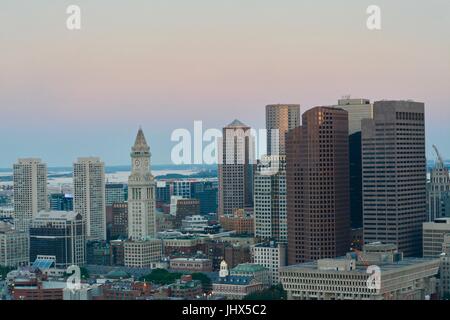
(317, 171)
(30, 191)
(357, 109)
(270, 177)
(394, 175)
(89, 195)
(280, 118)
(270, 199)
(142, 249)
(438, 190)
(236, 168)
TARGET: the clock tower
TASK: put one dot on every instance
(141, 192)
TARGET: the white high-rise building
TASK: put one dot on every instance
(30, 190)
(270, 199)
(142, 249)
(89, 195)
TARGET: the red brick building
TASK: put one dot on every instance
(241, 221)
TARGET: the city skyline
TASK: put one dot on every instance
(164, 66)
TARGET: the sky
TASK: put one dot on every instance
(162, 64)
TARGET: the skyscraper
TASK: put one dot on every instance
(280, 118)
(236, 168)
(270, 177)
(89, 195)
(270, 199)
(394, 175)
(30, 191)
(438, 190)
(357, 109)
(142, 249)
(317, 171)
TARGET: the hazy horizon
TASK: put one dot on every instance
(164, 64)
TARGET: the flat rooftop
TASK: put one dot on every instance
(406, 262)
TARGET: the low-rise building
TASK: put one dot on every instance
(271, 255)
(28, 285)
(194, 224)
(258, 272)
(14, 250)
(433, 237)
(242, 222)
(126, 290)
(186, 288)
(235, 287)
(142, 254)
(378, 273)
(191, 264)
(444, 271)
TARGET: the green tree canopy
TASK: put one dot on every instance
(162, 276)
(273, 293)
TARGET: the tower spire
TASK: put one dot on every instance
(140, 144)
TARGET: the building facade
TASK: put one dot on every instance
(30, 190)
(317, 170)
(438, 190)
(357, 109)
(236, 168)
(242, 222)
(89, 195)
(272, 256)
(115, 193)
(14, 247)
(433, 237)
(191, 264)
(394, 175)
(353, 277)
(141, 250)
(61, 234)
(280, 118)
(270, 199)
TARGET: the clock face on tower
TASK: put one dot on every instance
(137, 163)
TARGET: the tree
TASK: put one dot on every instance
(273, 293)
(205, 280)
(4, 271)
(84, 273)
(162, 276)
